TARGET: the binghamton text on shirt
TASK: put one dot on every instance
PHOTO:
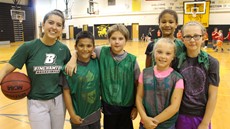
(46, 69)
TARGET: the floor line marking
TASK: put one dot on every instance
(17, 119)
(8, 105)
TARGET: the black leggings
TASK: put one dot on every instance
(121, 121)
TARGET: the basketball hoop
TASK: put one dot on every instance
(194, 11)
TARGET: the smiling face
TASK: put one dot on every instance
(84, 49)
(53, 27)
(118, 42)
(194, 44)
(164, 53)
(167, 25)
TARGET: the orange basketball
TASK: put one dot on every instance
(15, 85)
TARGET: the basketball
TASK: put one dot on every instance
(15, 85)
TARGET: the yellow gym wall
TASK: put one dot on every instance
(136, 5)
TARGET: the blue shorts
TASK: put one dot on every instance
(189, 122)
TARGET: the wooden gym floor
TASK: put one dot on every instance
(13, 114)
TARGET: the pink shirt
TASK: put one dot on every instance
(163, 74)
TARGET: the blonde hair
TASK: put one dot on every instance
(194, 23)
(165, 40)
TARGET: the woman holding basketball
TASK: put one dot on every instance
(44, 59)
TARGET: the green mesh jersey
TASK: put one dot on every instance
(180, 48)
(43, 65)
(117, 79)
(157, 94)
(85, 89)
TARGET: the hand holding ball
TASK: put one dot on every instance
(15, 85)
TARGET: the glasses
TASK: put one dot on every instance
(189, 37)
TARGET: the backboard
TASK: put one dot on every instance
(18, 14)
(197, 11)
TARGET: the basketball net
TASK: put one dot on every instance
(194, 14)
(20, 18)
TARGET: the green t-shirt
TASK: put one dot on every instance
(85, 88)
(118, 77)
(43, 65)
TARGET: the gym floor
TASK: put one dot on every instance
(13, 113)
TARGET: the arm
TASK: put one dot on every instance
(148, 61)
(134, 110)
(74, 118)
(226, 36)
(5, 70)
(210, 107)
(173, 108)
(148, 122)
(148, 53)
(71, 66)
(213, 33)
(136, 74)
